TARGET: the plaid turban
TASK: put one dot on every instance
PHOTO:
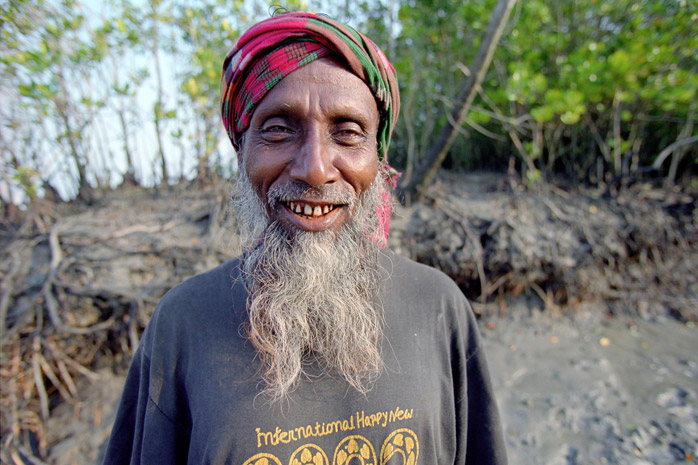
(276, 47)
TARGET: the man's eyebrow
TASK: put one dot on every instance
(352, 112)
(285, 109)
(339, 111)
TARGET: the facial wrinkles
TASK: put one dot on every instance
(309, 129)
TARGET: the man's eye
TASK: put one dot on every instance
(276, 128)
(349, 135)
(276, 132)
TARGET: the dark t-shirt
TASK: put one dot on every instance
(191, 395)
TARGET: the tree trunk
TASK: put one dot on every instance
(159, 104)
(425, 172)
(679, 148)
(120, 109)
(130, 175)
(391, 28)
(617, 139)
(64, 109)
(83, 188)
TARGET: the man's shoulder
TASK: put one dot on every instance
(217, 279)
(412, 285)
(419, 299)
(203, 295)
(405, 272)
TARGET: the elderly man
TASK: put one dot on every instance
(316, 346)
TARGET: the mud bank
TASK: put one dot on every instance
(593, 390)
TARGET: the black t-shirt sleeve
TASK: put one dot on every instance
(430, 304)
(152, 424)
(485, 438)
(476, 407)
(125, 436)
(143, 433)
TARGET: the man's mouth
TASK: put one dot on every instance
(310, 211)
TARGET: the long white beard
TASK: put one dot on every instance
(312, 296)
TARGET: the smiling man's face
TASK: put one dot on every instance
(311, 149)
(308, 203)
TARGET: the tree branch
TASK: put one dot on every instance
(439, 149)
(668, 150)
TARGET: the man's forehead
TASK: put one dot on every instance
(338, 73)
(326, 83)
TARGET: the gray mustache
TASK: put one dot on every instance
(295, 189)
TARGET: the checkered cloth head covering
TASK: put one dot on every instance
(276, 47)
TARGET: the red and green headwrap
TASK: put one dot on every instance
(276, 47)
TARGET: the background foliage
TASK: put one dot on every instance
(125, 91)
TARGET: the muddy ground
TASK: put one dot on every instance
(588, 306)
(580, 390)
(572, 390)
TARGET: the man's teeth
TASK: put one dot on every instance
(310, 211)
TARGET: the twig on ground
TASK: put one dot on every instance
(139, 228)
(48, 371)
(101, 326)
(548, 299)
(493, 286)
(562, 193)
(39, 380)
(60, 355)
(133, 324)
(14, 414)
(67, 379)
(19, 454)
(556, 211)
(47, 288)
(6, 289)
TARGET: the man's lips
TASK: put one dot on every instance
(310, 210)
(303, 208)
(312, 215)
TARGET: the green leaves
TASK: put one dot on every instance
(37, 91)
(568, 104)
(27, 180)
(567, 71)
(525, 86)
(572, 80)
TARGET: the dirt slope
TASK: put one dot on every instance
(575, 385)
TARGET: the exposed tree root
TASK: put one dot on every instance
(77, 293)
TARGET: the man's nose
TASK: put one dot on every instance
(314, 162)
